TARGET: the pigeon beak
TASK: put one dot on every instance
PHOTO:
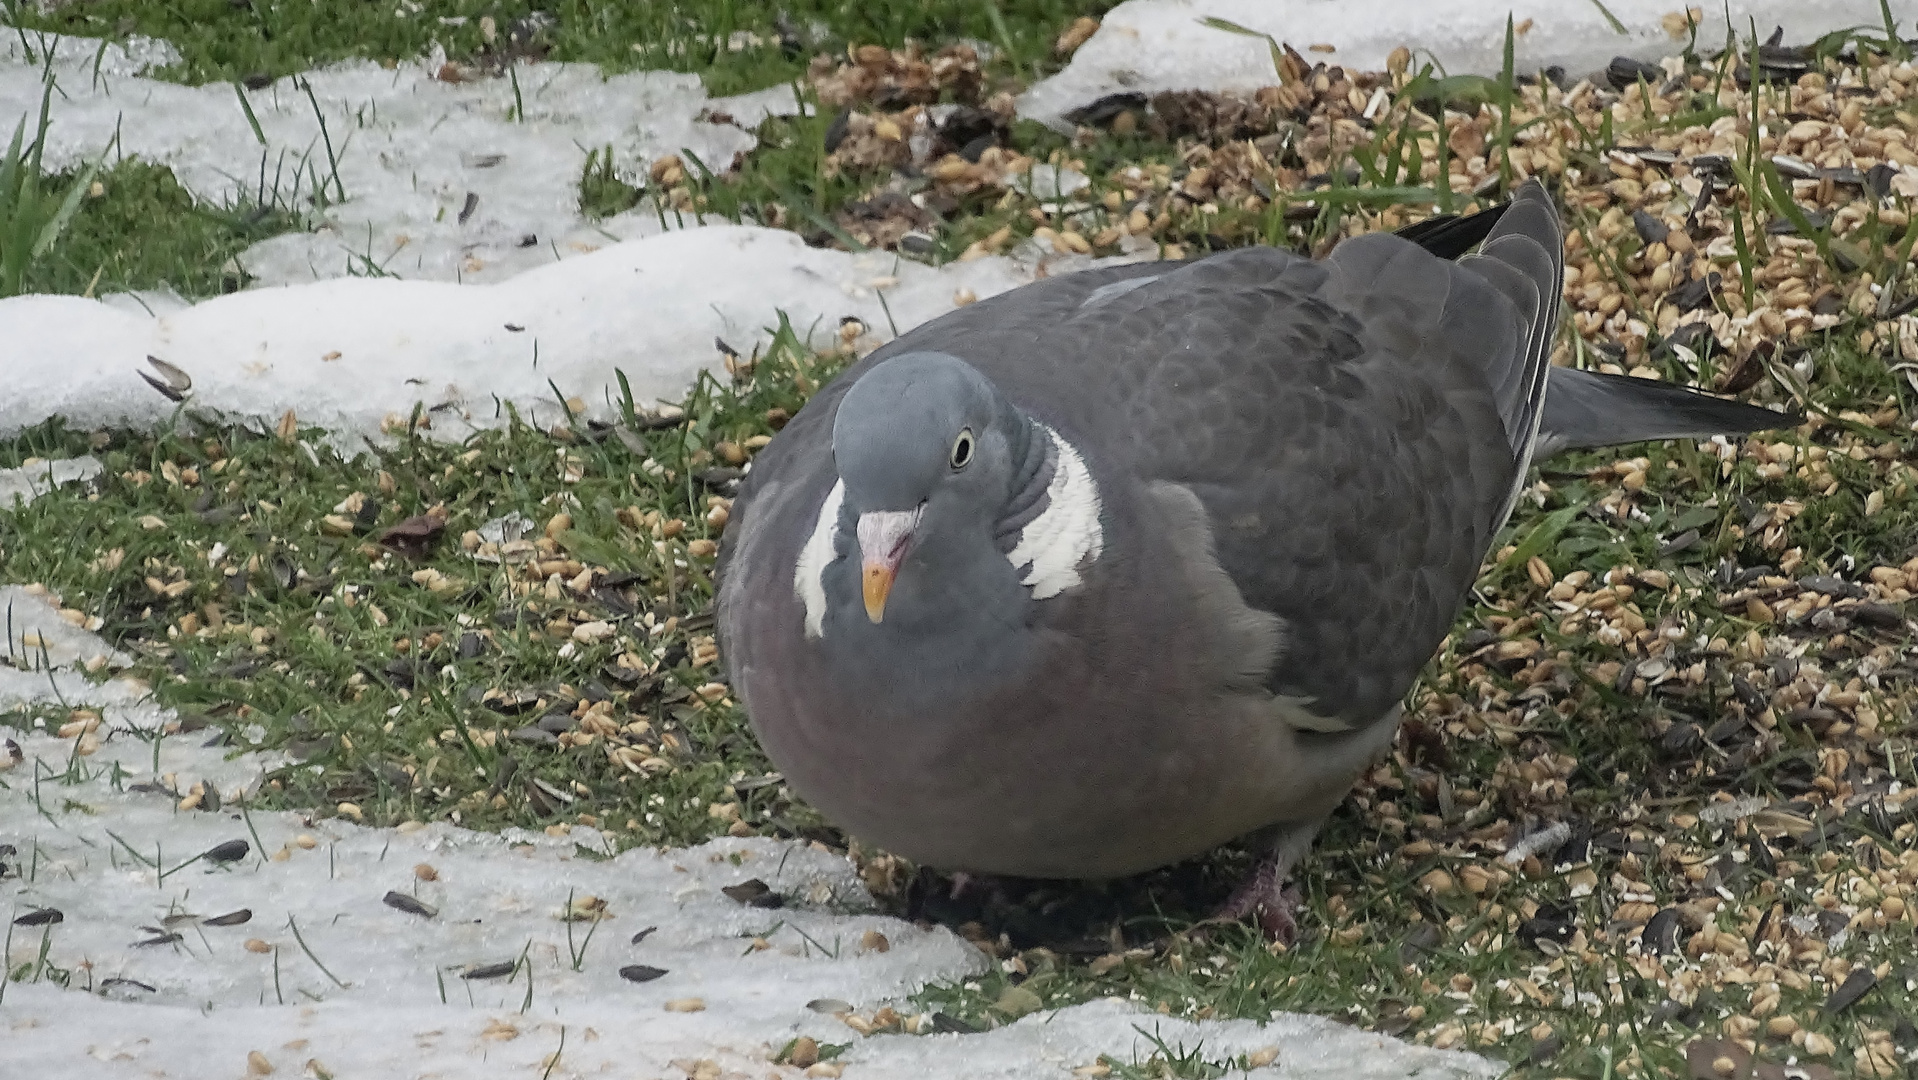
(884, 537)
(877, 581)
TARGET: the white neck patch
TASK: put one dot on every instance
(821, 548)
(1066, 535)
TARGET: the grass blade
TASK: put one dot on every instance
(50, 232)
(1507, 90)
(1744, 251)
(1892, 41)
(332, 160)
(297, 936)
(10, 169)
(1542, 536)
(813, 214)
(1286, 76)
(246, 106)
(1610, 19)
(1778, 195)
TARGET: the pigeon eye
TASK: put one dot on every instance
(962, 449)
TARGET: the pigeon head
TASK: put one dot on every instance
(927, 449)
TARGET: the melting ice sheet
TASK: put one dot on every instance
(365, 988)
(1146, 46)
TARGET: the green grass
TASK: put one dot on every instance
(33, 220)
(143, 231)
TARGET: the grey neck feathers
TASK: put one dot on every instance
(1036, 457)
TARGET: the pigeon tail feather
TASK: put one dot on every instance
(1586, 408)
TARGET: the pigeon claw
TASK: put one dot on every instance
(1269, 901)
(1278, 918)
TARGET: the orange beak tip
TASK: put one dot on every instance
(877, 584)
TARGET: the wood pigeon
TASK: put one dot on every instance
(1108, 570)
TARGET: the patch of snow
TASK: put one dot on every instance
(505, 530)
(38, 637)
(1146, 46)
(37, 657)
(327, 969)
(632, 293)
(29, 481)
(352, 352)
(408, 150)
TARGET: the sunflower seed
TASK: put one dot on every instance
(1878, 178)
(1831, 586)
(1624, 71)
(755, 893)
(173, 383)
(950, 1025)
(231, 851)
(1711, 164)
(1794, 168)
(1106, 109)
(402, 902)
(1855, 986)
(1660, 935)
(1650, 229)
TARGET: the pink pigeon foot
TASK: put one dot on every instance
(1269, 900)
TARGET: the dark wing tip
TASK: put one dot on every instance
(1451, 235)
